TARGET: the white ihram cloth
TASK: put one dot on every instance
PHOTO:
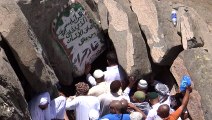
(83, 105)
(55, 109)
(107, 98)
(152, 115)
(101, 88)
(111, 74)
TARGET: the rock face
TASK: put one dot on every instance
(103, 14)
(191, 27)
(25, 47)
(148, 20)
(40, 15)
(162, 38)
(194, 104)
(125, 34)
(196, 63)
(178, 69)
(202, 18)
(199, 65)
(12, 102)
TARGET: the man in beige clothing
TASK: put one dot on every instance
(101, 87)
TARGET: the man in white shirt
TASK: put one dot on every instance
(155, 102)
(83, 105)
(101, 87)
(112, 71)
(106, 98)
(42, 108)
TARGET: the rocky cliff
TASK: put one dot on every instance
(141, 32)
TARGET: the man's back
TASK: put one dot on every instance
(116, 117)
(105, 100)
(112, 73)
(36, 112)
(83, 105)
(99, 89)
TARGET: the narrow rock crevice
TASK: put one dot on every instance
(13, 62)
(162, 73)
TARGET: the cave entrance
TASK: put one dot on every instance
(99, 63)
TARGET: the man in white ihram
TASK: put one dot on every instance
(112, 73)
(41, 108)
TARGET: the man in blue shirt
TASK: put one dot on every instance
(116, 112)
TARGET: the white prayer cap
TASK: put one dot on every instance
(142, 84)
(93, 114)
(43, 101)
(98, 73)
(136, 116)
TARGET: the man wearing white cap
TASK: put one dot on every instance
(42, 108)
(142, 86)
(101, 87)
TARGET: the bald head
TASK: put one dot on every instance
(163, 111)
(115, 107)
(124, 104)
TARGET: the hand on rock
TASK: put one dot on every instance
(87, 68)
(132, 81)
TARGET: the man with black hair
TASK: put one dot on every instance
(112, 71)
(85, 106)
(106, 98)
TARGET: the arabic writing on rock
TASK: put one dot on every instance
(79, 33)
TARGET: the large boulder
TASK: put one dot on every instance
(103, 15)
(198, 64)
(202, 18)
(78, 34)
(148, 20)
(178, 70)
(40, 15)
(12, 102)
(25, 47)
(125, 33)
(161, 35)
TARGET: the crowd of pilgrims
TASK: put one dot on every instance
(109, 97)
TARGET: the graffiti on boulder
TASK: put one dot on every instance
(78, 35)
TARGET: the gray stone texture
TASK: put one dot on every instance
(199, 65)
(13, 105)
(178, 70)
(103, 15)
(40, 15)
(126, 36)
(167, 32)
(25, 47)
(201, 18)
(148, 21)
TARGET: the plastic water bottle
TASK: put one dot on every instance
(174, 17)
(186, 81)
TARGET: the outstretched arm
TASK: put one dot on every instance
(186, 97)
(178, 112)
(132, 106)
(132, 81)
(89, 77)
